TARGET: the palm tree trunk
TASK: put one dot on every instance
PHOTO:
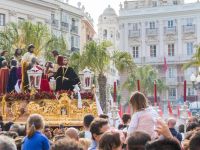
(102, 81)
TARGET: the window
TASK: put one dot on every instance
(105, 34)
(73, 22)
(171, 72)
(135, 52)
(135, 26)
(153, 50)
(154, 3)
(175, 2)
(189, 21)
(52, 16)
(189, 48)
(72, 41)
(172, 92)
(152, 25)
(190, 91)
(170, 49)
(2, 19)
(170, 24)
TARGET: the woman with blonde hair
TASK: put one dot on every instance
(35, 140)
(144, 117)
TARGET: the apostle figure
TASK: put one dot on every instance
(65, 76)
(4, 73)
(18, 55)
(56, 57)
(26, 62)
(3, 57)
(12, 80)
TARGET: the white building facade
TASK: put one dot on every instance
(61, 18)
(154, 30)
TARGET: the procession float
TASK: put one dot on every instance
(64, 107)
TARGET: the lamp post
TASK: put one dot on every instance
(114, 107)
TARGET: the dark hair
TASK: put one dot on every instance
(30, 46)
(16, 52)
(192, 126)
(4, 63)
(66, 144)
(34, 122)
(55, 53)
(87, 120)
(165, 144)
(137, 140)
(109, 141)
(126, 118)
(3, 52)
(181, 128)
(13, 63)
(194, 143)
(138, 101)
(96, 125)
(104, 116)
(1, 118)
(7, 126)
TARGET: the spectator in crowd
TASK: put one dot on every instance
(7, 126)
(126, 118)
(192, 120)
(165, 144)
(15, 128)
(97, 128)
(1, 124)
(85, 142)
(104, 116)
(86, 124)
(171, 124)
(110, 140)
(48, 132)
(72, 133)
(7, 143)
(35, 140)
(194, 143)
(137, 140)
(66, 144)
(192, 126)
(181, 130)
(144, 117)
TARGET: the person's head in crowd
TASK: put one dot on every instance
(35, 123)
(98, 127)
(13, 63)
(138, 101)
(171, 123)
(192, 119)
(72, 133)
(60, 60)
(66, 144)
(48, 132)
(137, 140)
(18, 52)
(126, 118)
(165, 144)
(7, 143)
(4, 64)
(15, 128)
(110, 141)
(85, 142)
(194, 143)
(59, 137)
(55, 54)
(8, 125)
(4, 53)
(10, 134)
(31, 48)
(87, 120)
(104, 116)
(192, 126)
(65, 61)
(181, 128)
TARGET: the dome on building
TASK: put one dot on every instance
(109, 11)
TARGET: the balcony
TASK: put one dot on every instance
(189, 29)
(64, 26)
(134, 33)
(152, 32)
(74, 29)
(55, 23)
(170, 31)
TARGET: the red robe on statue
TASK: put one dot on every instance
(4, 74)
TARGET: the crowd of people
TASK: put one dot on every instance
(143, 130)
(14, 75)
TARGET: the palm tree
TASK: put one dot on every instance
(98, 59)
(21, 35)
(147, 75)
(195, 61)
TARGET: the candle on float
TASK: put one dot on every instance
(115, 92)
(155, 93)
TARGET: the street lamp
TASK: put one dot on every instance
(196, 82)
